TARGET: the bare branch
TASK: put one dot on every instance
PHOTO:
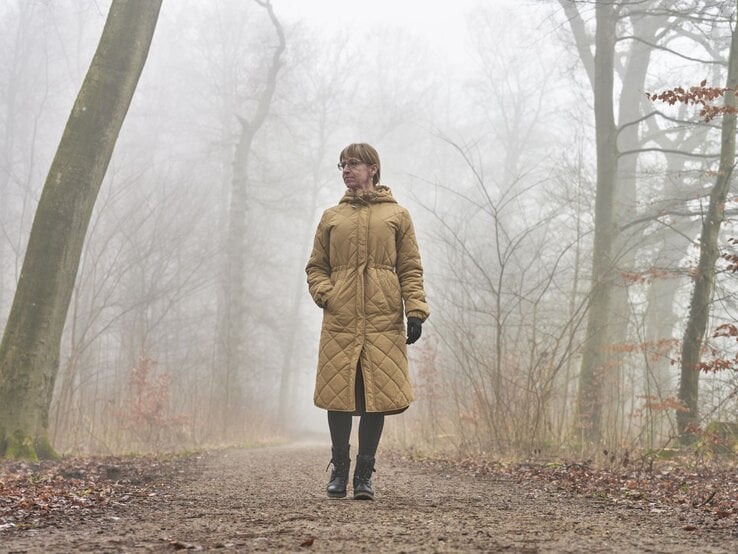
(669, 50)
(667, 151)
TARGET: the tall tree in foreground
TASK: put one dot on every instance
(29, 351)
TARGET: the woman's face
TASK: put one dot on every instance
(356, 174)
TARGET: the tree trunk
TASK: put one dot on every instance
(660, 318)
(594, 362)
(704, 278)
(29, 352)
(234, 310)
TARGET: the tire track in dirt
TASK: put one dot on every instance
(272, 500)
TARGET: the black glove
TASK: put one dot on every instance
(414, 329)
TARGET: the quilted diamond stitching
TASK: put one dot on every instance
(383, 348)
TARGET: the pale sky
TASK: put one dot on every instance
(440, 22)
(337, 13)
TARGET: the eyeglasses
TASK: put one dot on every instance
(352, 164)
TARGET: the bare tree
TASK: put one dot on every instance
(234, 310)
(600, 69)
(496, 319)
(704, 279)
(646, 28)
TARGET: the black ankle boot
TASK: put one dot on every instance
(339, 476)
(363, 477)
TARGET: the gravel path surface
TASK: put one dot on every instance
(272, 499)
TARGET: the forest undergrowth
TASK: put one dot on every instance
(701, 491)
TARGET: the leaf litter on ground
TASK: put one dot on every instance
(702, 496)
(53, 493)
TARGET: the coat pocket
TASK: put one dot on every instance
(390, 286)
(336, 296)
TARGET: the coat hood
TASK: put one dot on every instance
(380, 194)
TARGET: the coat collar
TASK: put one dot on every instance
(380, 194)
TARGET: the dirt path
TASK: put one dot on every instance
(271, 499)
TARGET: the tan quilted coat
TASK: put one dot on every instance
(365, 270)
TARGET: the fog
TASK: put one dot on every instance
(483, 115)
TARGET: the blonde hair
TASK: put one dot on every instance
(364, 152)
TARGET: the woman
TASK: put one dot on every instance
(363, 271)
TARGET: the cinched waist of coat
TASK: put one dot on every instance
(369, 266)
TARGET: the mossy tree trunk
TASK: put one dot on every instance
(29, 351)
(704, 277)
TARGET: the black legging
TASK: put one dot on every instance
(370, 430)
(371, 424)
